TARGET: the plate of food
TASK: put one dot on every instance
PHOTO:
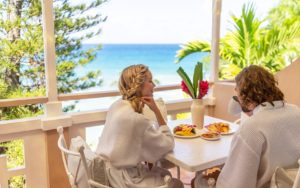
(210, 135)
(186, 131)
(220, 127)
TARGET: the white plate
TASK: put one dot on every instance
(198, 133)
(231, 131)
(215, 138)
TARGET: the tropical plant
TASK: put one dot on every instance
(286, 14)
(251, 42)
(197, 88)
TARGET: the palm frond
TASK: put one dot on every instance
(276, 44)
(192, 47)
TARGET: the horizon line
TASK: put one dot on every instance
(134, 43)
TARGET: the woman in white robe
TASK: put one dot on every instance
(269, 138)
(129, 139)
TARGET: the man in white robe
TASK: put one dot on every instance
(269, 138)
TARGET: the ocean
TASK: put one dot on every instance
(113, 58)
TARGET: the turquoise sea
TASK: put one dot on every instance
(113, 58)
(160, 58)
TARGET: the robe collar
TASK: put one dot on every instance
(268, 106)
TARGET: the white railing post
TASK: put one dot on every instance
(53, 107)
(3, 172)
(36, 171)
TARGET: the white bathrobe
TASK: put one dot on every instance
(127, 140)
(270, 138)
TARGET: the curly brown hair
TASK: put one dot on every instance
(256, 85)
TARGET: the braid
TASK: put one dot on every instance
(130, 84)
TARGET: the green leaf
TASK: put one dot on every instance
(197, 76)
(272, 42)
(192, 47)
(186, 80)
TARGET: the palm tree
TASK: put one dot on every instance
(248, 43)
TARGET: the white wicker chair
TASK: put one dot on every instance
(74, 178)
(103, 177)
(65, 152)
(286, 178)
(297, 179)
(87, 169)
(102, 174)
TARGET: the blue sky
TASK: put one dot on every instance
(166, 21)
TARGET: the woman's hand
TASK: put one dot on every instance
(149, 101)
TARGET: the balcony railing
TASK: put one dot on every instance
(33, 130)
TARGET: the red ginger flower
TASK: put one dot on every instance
(185, 88)
(203, 88)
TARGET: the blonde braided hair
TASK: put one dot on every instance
(130, 83)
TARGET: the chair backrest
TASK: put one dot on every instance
(286, 177)
(65, 152)
(99, 170)
(81, 164)
(93, 167)
(167, 180)
(96, 171)
(297, 179)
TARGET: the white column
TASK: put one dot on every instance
(216, 15)
(53, 107)
(214, 69)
